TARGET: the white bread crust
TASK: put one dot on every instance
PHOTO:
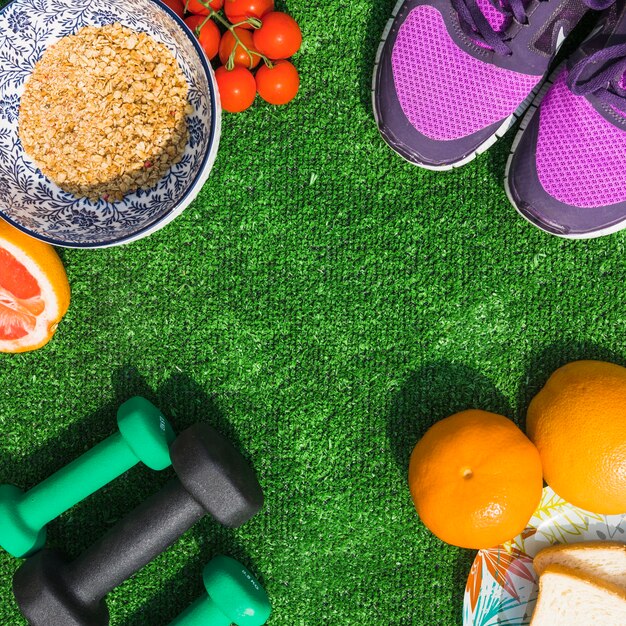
(559, 586)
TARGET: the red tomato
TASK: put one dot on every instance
(279, 84)
(241, 56)
(195, 6)
(177, 6)
(240, 10)
(279, 37)
(237, 88)
(206, 30)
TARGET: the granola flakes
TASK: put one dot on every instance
(104, 112)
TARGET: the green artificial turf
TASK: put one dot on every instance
(322, 303)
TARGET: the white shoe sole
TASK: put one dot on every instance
(500, 132)
(518, 137)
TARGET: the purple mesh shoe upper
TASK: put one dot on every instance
(445, 93)
(581, 156)
(568, 172)
(452, 73)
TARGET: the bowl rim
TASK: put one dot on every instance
(187, 198)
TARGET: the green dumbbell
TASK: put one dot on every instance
(235, 596)
(144, 435)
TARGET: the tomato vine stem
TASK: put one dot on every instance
(252, 21)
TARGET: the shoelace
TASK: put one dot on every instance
(475, 24)
(605, 84)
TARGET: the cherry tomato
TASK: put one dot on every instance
(279, 37)
(237, 88)
(195, 7)
(241, 56)
(279, 84)
(178, 6)
(206, 30)
(240, 10)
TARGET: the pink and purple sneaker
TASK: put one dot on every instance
(452, 76)
(567, 173)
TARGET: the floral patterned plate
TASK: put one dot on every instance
(33, 203)
(502, 584)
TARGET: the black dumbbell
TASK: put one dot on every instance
(212, 477)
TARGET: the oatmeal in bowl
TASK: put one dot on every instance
(104, 112)
(117, 119)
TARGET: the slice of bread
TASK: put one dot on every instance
(571, 598)
(605, 560)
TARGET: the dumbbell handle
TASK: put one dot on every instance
(132, 543)
(203, 612)
(76, 481)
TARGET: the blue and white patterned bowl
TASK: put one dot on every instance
(36, 205)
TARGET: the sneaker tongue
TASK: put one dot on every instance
(497, 20)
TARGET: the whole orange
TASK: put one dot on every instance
(475, 479)
(578, 423)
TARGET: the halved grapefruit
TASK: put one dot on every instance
(34, 292)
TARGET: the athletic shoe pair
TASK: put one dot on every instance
(452, 76)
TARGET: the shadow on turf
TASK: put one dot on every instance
(85, 432)
(441, 389)
(380, 14)
(546, 361)
(186, 585)
(184, 403)
(432, 393)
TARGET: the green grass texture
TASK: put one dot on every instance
(322, 303)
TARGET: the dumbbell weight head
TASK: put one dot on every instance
(216, 475)
(147, 433)
(16, 536)
(234, 596)
(144, 435)
(49, 597)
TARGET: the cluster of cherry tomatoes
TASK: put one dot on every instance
(252, 34)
